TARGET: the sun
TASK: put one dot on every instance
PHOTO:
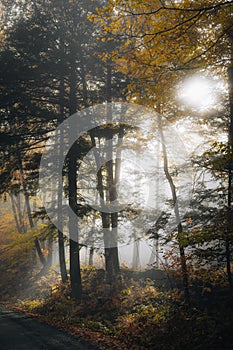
(199, 93)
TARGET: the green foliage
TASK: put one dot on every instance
(219, 157)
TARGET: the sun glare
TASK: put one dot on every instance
(199, 93)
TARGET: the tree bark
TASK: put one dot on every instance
(61, 247)
(177, 213)
(229, 230)
(91, 256)
(75, 273)
(19, 225)
(228, 236)
(109, 221)
(136, 256)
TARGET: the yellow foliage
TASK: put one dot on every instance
(159, 42)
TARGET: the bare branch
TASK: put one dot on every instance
(210, 47)
(181, 9)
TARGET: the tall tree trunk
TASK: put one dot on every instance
(113, 216)
(177, 213)
(154, 257)
(228, 236)
(61, 247)
(111, 251)
(75, 273)
(115, 178)
(62, 259)
(83, 78)
(109, 221)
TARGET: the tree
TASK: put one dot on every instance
(163, 41)
(55, 44)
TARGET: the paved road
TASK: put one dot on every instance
(21, 332)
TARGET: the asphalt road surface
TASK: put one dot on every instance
(19, 331)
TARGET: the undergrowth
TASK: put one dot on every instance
(137, 312)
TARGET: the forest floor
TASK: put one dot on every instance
(142, 311)
(139, 313)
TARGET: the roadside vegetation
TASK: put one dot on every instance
(145, 310)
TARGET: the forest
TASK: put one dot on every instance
(116, 169)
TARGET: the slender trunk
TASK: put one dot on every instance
(91, 256)
(113, 216)
(75, 273)
(61, 247)
(229, 232)
(31, 223)
(109, 221)
(230, 89)
(109, 266)
(111, 252)
(84, 82)
(62, 258)
(228, 237)
(115, 179)
(136, 259)
(109, 83)
(18, 226)
(20, 214)
(39, 252)
(154, 257)
(50, 253)
(177, 214)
